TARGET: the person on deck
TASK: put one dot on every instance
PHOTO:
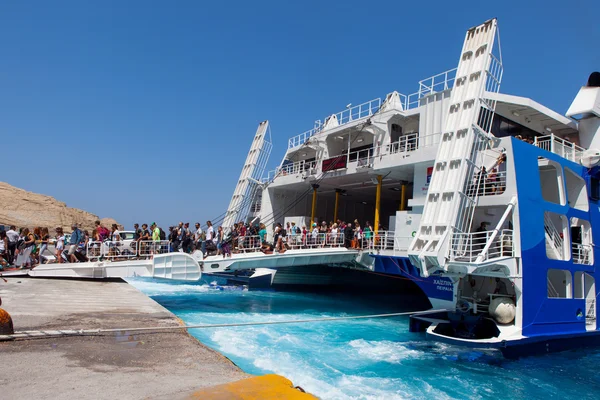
(76, 238)
(13, 239)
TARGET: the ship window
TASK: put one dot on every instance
(581, 241)
(576, 191)
(578, 285)
(595, 188)
(551, 180)
(557, 233)
(559, 284)
(215, 266)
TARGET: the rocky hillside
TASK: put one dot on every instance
(26, 209)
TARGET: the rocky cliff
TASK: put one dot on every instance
(26, 209)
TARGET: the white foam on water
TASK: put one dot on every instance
(153, 288)
(385, 351)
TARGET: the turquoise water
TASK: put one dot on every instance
(364, 359)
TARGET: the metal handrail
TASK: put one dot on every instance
(582, 253)
(559, 146)
(468, 247)
(554, 234)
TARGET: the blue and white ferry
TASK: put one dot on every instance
(484, 200)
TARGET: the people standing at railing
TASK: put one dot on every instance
(186, 243)
(13, 238)
(76, 238)
(357, 235)
(480, 239)
(102, 231)
(241, 238)
(44, 240)
(334, 234)
(210, 238)
(197, 236)
(314, 235)
(348, 235)
(60, 244)
(368, 235)
(3, 250)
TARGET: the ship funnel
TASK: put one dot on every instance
(594, 79)
(586, 109)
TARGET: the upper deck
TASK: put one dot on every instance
(355, 114)
(403, 130)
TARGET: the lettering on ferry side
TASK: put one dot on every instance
(443, 285)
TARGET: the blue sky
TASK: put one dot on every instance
(145, 110)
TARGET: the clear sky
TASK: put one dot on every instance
(145, 110)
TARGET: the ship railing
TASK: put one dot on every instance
(247, 244)
(556, 238)
(357, 112)
(111, 249)
(437, 83)
(151, 247)
(412, 141)
(385, 240)
(560, 146)
(491, 183)
(310, 241)
(582, 253)
(296, 168)
(590, 311)
(304, 136)
(466, 247)
(363, 158)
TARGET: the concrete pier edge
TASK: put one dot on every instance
(166, 364)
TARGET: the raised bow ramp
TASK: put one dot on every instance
(252, 171)
(450, 204)
(172, 266)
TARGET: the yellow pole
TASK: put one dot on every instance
(403, 198)
(314, 205)
(377, 203)
(335, 208)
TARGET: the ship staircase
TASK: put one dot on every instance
(444, 239)
(248, 184)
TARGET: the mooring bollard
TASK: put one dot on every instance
(6, 324)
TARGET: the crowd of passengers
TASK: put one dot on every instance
(243, 237)
(26, 248)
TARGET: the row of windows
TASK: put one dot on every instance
(554, 180)
(562, 286)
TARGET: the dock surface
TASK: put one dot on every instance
(109, 366)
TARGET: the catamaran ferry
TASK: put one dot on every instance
(489, 199)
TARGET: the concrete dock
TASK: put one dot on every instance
(125, 366)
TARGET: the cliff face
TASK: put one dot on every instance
(26, 209)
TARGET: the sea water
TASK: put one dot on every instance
(366, 358)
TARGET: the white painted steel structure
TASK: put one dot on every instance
(253, 170)
(448, 208)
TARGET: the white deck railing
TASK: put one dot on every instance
(357, 112)
(411, 142)
(466, 247)
(582, 254)
(125, 249)
(559, 146)
(433, 84)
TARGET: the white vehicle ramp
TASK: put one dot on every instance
(252, 171)
(173, 266)
(451, 199)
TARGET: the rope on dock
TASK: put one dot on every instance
(83, 332)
